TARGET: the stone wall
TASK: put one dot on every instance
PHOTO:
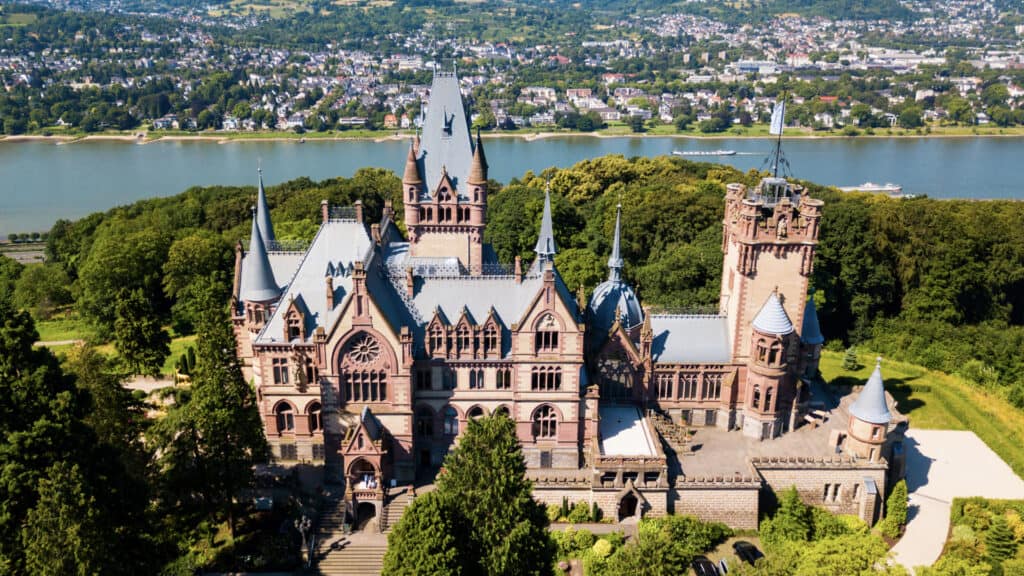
(836, 484)
(734, 503)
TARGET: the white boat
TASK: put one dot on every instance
(703, 152)
(893, 190)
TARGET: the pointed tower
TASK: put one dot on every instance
(613, 300)
(811, 339)
(769, 393)
(869, 418)
(545, 247)
(263, 216)
(258, 289)
(445, 182)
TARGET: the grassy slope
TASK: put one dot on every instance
(934, 400)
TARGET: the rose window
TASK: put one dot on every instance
(364, 349)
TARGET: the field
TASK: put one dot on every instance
(933, 400)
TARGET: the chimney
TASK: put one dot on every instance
(330, 293)
(325, 211)
(410, 282)
(518, 270)
(375, 232)
(359, 211)
(389, 209)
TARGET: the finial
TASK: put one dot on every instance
(878, 362)
(615, 260)
(252, 211)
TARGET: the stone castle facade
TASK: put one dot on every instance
(371, 349)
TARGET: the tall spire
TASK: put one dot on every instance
(258, 284)
(545, 247)
(870, 405)
(478, 169)
(263, 215)
(615, 260)
(412, 170)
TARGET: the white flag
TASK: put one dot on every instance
(778, 117)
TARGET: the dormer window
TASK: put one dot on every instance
(294, 328)
(490, 340)
(465, 340)
(437, 340)
(546, 337)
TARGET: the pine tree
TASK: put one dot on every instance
(791, 523)
(896, 505)
(850, 362)
(999, 542)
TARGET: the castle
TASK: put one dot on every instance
(370, 351)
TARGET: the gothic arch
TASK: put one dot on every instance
(548, 321)
(362, 465)
(476, 411)
(388, 360)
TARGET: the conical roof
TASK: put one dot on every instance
(811, 330)
(615, 260)
(871, 406)
(545, 247)
(412, 170)
(772, 319)
(478, 169)
(258, 284)
(263, 215)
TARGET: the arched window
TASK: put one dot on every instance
(451, 422)
(465, 340)
(756, 402)
(546, 337)
(315, 419)
(503, 410)
(490, 340)
(762, 351)
(424, 422)
(285, 418)
(294, 327)
(768, 399)
(475, 412)
(775, 354)
(545, 423)
(503, 379)
(365, 385)
(476, 378)
(546, 378)
(436, 340)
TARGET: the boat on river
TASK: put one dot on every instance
(890, 189)
(703, 152)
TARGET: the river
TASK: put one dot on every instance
(43, 181)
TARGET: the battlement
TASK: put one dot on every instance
(829, 462)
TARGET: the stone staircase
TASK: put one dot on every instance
(395, 507)
(674, 434)
(360, 554)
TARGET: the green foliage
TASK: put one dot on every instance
(896, 511)
(999, 542)
(850, 360)
(792, 521)
(666, 545)
(10, 271)
(142, 343)
(425, 540)
(580, 513)
(553, 512)
(41, 289)
(500, 528)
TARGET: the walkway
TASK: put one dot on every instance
(942, 465)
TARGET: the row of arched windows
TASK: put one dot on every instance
(464, 341)
(770, 353)
(284, 416)
(756, 400)
(444, 214)
(545, 421)
(365, 385)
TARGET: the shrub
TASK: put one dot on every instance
(580, 513)
(602, 548)
(824, 524)
(999, 543)
(963, 533)
(583, 539)
(850, 363)
(554, 512)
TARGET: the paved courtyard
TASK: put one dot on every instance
(942, 465)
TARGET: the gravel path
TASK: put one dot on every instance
(942, 465)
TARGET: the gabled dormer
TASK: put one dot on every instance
(465, 335)
(295, 320)
(490, 336)
(436, 341)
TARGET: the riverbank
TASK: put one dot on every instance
(527, 134)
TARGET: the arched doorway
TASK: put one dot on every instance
(628, 506)
(365, 513)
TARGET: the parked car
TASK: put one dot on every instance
(723, 568)
(746, 551)
(703, 567)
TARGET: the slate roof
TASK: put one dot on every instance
(263, 215)
(870, 405)
(811, 330)
(545, 247)
(445, 142)
(772, 319)
(258, 283)
(690, 339)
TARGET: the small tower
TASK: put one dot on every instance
(412, 184)
(613, 300)
(258, 290)
(545, 247)
(769, 388)
(811, 340)
(869, 418)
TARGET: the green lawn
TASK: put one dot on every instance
(62, 327)
(934, 400)
(179, 346)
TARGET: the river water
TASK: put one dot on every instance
(42, 181)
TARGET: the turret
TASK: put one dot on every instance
(412, 184)
(869, 418)
(614, 300)
(477, 182)
(769, 391)
(258, 288)
(545, 247)
(811, 339)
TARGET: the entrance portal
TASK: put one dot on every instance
(627, 506)
(365, 512)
